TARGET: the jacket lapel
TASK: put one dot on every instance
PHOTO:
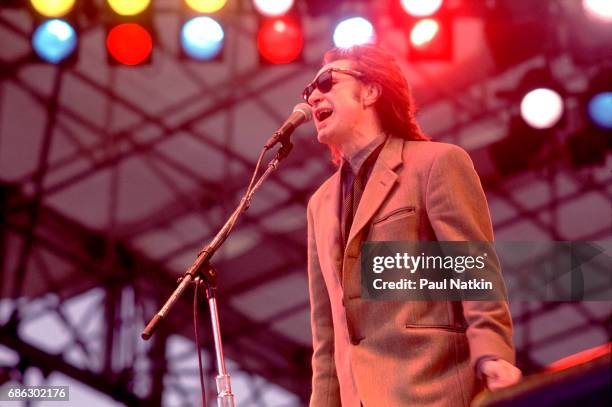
(329, 211)
(381, 181)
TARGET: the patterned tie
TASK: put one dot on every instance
(351, 202)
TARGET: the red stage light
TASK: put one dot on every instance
(424, 32)
(280, 40)
(129, 43)
(431, 39)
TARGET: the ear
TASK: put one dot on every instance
(371, 94)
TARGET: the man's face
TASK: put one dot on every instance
(338, 112)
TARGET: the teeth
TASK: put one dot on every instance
(323, 114)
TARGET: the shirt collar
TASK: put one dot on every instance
(357, 160)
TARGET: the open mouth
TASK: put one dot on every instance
(323, 114)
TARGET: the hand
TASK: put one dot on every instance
(499, 373)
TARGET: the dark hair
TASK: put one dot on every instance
(395, 107)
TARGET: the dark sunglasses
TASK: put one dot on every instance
(324, 81)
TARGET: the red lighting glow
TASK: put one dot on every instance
(280, 40)
(424, 32)
(129, 44)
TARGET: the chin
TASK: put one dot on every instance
(320, 137)
(325, 136)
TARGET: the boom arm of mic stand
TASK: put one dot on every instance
(201, 266)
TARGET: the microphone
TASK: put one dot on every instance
(301, 114)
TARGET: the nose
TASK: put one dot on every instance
(315, 97)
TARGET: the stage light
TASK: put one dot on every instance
(53, 8)
(431, 40)
(421, 8)
(202, 38)
(206, 6)
(540, 99)
(129, 31)
(599, 109)
(424, 32)
(542, 108)
(280, 40)
(428, 26)
(600, 9)
(128, 7)
(273, 8)
(353, 31)
(54, 41)
(129, 43)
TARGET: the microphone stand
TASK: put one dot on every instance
(202, 270)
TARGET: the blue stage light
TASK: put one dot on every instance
(54, 40)
(600, 109)
(202, 38)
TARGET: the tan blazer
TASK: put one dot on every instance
(400, 353)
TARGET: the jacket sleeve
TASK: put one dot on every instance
(458, 211)
(325, 387)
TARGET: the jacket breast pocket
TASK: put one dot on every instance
(399, 224)
(394, 215)
(436, 327)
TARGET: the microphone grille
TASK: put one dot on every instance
(305, 109)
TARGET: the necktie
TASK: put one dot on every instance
(351, 202)
(352, 195)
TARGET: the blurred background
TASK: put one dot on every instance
(129, 130)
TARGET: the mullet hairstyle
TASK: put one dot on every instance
(395, 106)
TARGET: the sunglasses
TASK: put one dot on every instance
(324, 81)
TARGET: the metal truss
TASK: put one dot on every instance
(66, 261)
(50, 261)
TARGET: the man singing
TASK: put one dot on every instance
(392, 184)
